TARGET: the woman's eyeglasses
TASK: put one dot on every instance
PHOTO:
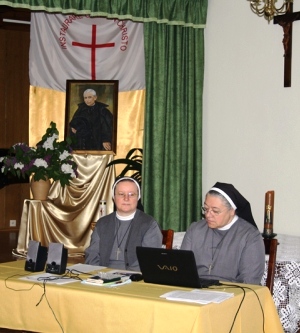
(213, 211)
(123, 195)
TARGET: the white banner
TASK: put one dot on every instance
(70, 47)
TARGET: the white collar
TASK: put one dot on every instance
(125, 218)
(229, 225)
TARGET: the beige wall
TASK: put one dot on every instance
(251, 123)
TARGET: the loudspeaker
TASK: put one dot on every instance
(36, 257)
(57, 259)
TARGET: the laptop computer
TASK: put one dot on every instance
(171, 267)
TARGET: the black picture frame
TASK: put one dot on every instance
(90, 127)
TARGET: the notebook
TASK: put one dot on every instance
(171, 267)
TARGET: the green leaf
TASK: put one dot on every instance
(133, 162)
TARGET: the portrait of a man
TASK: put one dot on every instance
(91, 124)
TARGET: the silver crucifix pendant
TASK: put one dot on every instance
(118, 252)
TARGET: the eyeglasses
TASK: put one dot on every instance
(213, 211)
(123, 195)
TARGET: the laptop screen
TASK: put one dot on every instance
(169, 267)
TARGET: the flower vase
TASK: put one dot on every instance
(40, 189)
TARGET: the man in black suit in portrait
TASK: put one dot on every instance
(92, 124)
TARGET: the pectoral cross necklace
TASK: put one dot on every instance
(118, 252)
(213, 252)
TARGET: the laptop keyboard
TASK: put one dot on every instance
(205, 283)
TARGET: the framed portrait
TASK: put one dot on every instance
(92, 115)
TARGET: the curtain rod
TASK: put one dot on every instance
(16, 21)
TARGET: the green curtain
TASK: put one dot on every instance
(174, 50)
(172, 163)
(191, 13)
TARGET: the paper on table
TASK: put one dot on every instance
(197, 296)
(124, 272)
(84, 268)
(59, 279)
(48, 278)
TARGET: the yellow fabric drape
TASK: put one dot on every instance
(67, 215)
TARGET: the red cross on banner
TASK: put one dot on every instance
(93, 46)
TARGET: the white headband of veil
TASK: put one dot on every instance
(225, 195)
(128, 179)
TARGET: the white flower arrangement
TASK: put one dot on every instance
(49, 160)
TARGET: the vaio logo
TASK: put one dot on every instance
(168, 268)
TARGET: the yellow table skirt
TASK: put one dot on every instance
(135, 308)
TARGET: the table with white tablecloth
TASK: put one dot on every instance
(286, 290)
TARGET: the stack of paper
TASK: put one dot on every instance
(198, 296)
